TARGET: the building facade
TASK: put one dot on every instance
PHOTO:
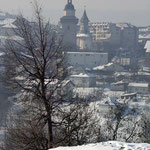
(84, 80)
(86, 59)
(121, 34)
(141, 88)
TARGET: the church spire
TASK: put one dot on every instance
(84, 23)
(84, 17)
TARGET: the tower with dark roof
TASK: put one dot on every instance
(69, 25)
(84, 24)
(84, 39)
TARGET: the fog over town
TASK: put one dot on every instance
(133, 11)
(75, 75)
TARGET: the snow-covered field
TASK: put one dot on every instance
(109, 146)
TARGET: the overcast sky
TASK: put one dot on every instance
(136, 12)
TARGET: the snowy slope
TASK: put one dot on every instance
(109, 146)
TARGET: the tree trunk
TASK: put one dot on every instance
(50, 132)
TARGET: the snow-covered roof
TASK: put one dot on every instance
(86, 91)
(143, 73)
(144, 36)
(123, 74)
(20, 78)
(2, 54)
(110, 145)
(9, 26)
(147, 47)
(7, 21)
(83, 35)
(144, 29)
(84, 75)
(110, 66)
(129, 94)
(145, 85)
(119, 82)
(90, 53)
(114, 94)
(103, 66)
(65, 82)
(146, 69)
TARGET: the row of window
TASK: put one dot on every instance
(139, 89)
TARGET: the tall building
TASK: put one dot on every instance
(69, 25)
(84, 39)
(83, 56)
(121, 34)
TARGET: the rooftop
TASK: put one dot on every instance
(83, 35)
(144, 36)
(147, 47)
(8, 23)
(90, 53)
(144, 85)
(103, 66)
(84, 75)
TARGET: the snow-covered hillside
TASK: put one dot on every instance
(4, 15)
(109, 146)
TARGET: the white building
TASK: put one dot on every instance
(125, 61)
(84, 41)
(84, 80)
(141, 88)
(147, 46)
(86, 59)
(119, 86)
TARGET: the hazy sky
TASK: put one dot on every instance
(134, 11)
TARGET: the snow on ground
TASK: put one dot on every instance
(109, 146)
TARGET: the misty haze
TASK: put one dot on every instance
(75, 75)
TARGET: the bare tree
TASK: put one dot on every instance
(37, 68)
(25, 133)
(145, 127)
(120, 123)
(79, 125)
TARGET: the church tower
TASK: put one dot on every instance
(69, 25)
(84, 39)
(84, 24)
